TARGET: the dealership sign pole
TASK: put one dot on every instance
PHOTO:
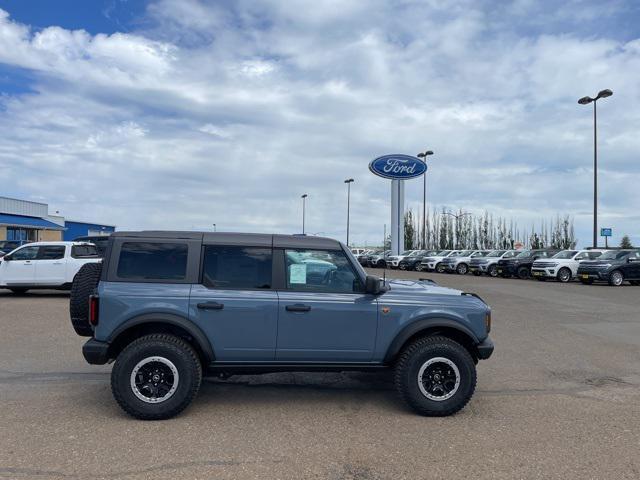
(397, 168)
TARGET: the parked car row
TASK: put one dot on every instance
(613, 266)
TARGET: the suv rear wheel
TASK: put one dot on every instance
(440, 268)
(462, 269)
(435, 376)
(493, 271)
(523, 273)
(156, 377)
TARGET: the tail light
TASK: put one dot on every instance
(94, 309)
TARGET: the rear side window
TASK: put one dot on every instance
(236, 267)
(82, 251)
(51, 252)
(152, 261)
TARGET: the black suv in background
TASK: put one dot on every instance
(520, 265)
(410, 263)
(613, 267)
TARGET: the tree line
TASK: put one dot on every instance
(447, 230)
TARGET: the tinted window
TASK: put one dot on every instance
(80, 251)
(51, 252)
(153, 261)
(236, 267)
(26, 253)
(320, 270)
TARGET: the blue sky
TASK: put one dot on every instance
(180, 114)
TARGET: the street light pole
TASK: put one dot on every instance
(304, 197)
(457, 217)
(348, 181)
(585, 101)
(214, 227)
(423, 156)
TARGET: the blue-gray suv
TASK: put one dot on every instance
(170, 307)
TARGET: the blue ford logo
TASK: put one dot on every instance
(397, 167)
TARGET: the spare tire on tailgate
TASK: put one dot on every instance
(84, 284)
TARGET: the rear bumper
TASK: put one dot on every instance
(485, 349)
(95, 352)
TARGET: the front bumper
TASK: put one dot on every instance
(96, 352)
(593, 275)
(485, 349)
(509, 269)
(537, 272)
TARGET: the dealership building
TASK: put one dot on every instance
(24, 220)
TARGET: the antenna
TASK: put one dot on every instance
(384, 258)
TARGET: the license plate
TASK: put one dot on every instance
(499, 270)
(473, 269)
(585, 276)
(537, 274)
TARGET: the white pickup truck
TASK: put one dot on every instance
(45, 265)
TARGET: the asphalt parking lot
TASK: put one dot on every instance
(560, 398)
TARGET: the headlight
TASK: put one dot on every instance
(553, 265)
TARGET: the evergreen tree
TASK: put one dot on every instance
(626, 242)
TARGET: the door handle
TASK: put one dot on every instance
(211, 306)
(297, 308)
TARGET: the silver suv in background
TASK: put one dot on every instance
(488, 264)
(459, 262)
(435, 262)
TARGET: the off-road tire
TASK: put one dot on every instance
(616, 278)
(523, 273)
(180, 353)
(408, 366)
(560, 277)
(84, 284)
(19, 291)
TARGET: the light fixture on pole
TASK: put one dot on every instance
(214, 227)
(423, 156)
(304, 198)
(348, 181)
(585, 101)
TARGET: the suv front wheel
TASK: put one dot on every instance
(156, 377)
(435, 376)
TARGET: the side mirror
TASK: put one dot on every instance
(372, 285)
(6, 258)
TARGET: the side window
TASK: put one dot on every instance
(320, 271)
(82, 251)
(51, 252)
(236, 267)
(593, 255)
(26, 253)
(581, 256)
(152, 261)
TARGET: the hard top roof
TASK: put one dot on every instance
(233, 238)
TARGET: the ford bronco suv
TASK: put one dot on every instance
(170, 307)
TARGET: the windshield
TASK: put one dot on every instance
(442, 253)
(495, 253)
(525, 254)
(463, 253)
(511, 254)
(613, 255)
(415, 254)
(566, 254)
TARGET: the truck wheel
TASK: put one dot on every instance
(493, 271)
(84, 284)
(440, 268)
(616, 278)
(435, 376)
(156, 377)
(564, 275)
(462, 269)
(523, 273)
(19, 291)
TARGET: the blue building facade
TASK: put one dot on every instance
(75, 229)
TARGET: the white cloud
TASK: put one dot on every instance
(227, 113)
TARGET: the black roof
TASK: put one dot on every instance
(232, 238)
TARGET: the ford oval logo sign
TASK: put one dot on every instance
(398, 167)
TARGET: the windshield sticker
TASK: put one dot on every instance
(298, 273)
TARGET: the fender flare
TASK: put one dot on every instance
(169, 319)
(426, 324)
